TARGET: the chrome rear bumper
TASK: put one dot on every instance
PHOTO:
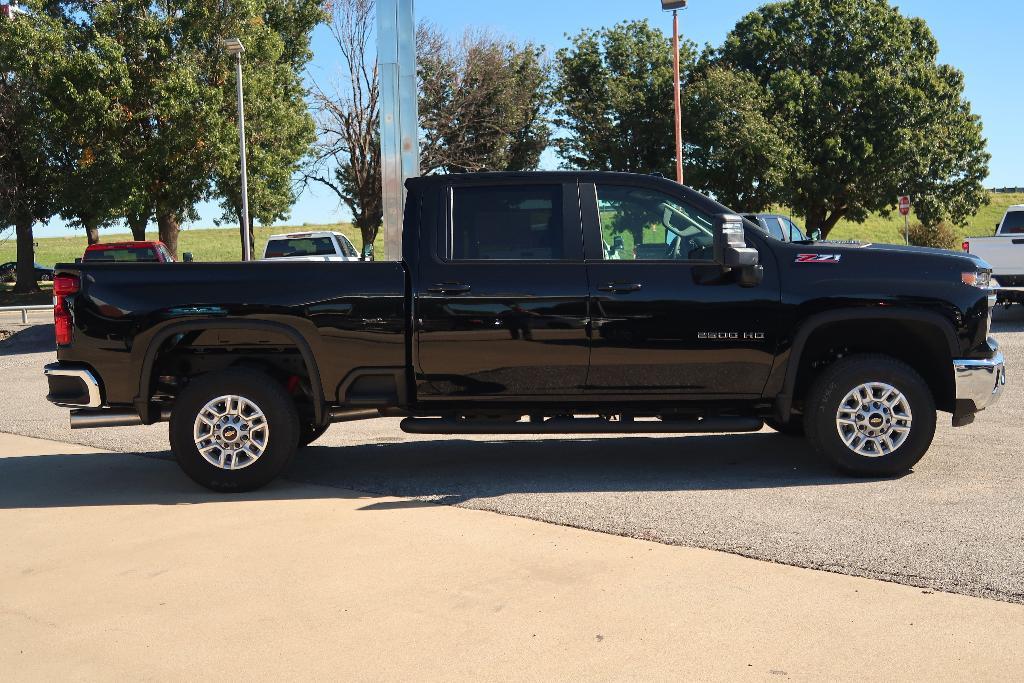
(73, 387)
(980, 382)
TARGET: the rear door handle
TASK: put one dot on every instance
(449, 288)
(1021, 241)
(621, 287)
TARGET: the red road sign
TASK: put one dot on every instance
(904, 206)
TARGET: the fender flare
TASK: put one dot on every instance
(142, 401)
(784, 401)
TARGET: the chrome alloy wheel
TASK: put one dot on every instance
(874, 419)
(231, 432)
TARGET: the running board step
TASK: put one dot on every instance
(558, 425)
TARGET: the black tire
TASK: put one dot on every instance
(794, 428)
(831, 388)
(282, 423)
(309, 432)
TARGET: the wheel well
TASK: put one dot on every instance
(921, 345)
(182, 357)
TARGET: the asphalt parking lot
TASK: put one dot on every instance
(955, 524)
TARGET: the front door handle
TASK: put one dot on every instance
(621, 287)
(449, 288)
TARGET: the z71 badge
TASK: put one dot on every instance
(818, 258)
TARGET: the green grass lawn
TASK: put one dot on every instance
(206, 244)
(890, 230)
(222, 244)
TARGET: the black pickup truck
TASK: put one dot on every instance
(538, 303)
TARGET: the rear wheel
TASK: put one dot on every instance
(870, 415)
(234, 430)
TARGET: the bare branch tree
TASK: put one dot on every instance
(347, 157)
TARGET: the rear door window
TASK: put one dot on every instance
(509, 223)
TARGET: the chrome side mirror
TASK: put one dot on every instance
(731, 250)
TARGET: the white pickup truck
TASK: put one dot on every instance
(1005, 253)
(310, 246)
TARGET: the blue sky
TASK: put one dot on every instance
(982, 38)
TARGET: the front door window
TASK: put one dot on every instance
(647, 225)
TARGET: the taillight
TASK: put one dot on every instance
(966, 246)
(63, 286)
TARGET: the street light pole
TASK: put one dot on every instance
(678, 98)
(675, 6)
(234, 47)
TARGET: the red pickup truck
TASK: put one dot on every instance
(128, 252)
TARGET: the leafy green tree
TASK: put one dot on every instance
(30, 45)
(867, 110)
(738, 148)
(482, 102)
(179, 136)
(85, 120)
(614, 90)
(279, 128)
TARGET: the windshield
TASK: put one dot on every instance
(126, 255)
(300, 246)
(1013, 224)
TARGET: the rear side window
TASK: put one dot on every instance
(346, 247)
(300, 246)
(1013, 224)
(775, 227)
(147, 255)
(507, 223)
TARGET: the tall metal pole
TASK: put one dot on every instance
(246, 237)
(399, 119)
(678, 98)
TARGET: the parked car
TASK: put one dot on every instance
(310, 246)
(506, 316)
(9, 272)
(128, 252)
(778, 226)
(1005, 251)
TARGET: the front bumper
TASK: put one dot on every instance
(979, 383)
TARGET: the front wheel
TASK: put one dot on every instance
(870, 415)
(234, 430)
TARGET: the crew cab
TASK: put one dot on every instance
(509, 314)
(310, 246)
(1005, 251)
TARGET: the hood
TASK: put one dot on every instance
(965, 259)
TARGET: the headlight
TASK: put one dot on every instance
(982, 280)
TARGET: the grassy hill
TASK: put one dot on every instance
(210, 244)
(890, 230)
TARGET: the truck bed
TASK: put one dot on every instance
(349, 315)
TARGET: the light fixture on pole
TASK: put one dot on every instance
(675, 6)
(235, 48)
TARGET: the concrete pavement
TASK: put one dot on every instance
(114, 566)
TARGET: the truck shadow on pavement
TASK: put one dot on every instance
(443, 471)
